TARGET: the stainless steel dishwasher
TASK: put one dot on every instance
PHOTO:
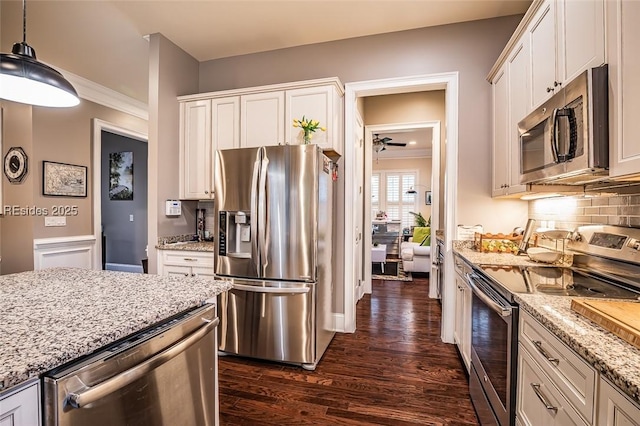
(164, 375)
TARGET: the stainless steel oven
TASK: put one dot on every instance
(494, 342)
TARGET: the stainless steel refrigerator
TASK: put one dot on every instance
(274, 226)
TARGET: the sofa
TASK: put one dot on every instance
(416, 253)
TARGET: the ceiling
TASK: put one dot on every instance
(422, 147)
(103, 40)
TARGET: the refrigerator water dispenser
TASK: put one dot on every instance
(235, 234)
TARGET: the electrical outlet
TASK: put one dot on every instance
(130, 218)
(55, 221)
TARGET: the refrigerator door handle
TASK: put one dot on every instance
(278, 290)
(262, 212)
(254, 213)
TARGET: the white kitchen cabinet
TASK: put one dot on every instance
(500, 147)
(615, 408)
(185, 263)
(510, 103)
(571, 375)
(206, 126)
(623, 37)
(539, 402)
(462, 328)
(195, 160)
(566, 37)
(225, 122)
(321, 103)
(21, 407)
(262, 119)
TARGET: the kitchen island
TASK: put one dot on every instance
(614, 358)
(54, 316)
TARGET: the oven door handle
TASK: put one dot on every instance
(496, 307)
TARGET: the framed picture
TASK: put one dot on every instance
(427, 198)
(64, 180)
(121, 175)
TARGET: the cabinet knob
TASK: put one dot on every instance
(549, 89)
(193, 275)
(206, 192)
(186, 274)
(556, 84)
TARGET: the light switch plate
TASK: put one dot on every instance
(55, 221)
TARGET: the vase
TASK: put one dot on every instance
(306, 138)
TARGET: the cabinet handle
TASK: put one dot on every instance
(542, 398)
(190, 259)
(544, 353)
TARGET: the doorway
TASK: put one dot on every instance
(427, 151)
(449, 83)
(120, 161)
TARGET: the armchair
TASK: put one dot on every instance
(416, 253)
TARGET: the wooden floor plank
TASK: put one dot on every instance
(393, 370)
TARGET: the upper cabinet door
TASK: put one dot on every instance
(543, 41)
(518, 69)
(226, 122)
(623, 34)
(195, 150)
(313, 103)
(500, 165)
(581, 25)
(262, 119)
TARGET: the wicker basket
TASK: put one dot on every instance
(497, 243)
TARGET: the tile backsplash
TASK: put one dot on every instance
(569, 212)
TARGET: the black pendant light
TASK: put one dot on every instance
(26, 80)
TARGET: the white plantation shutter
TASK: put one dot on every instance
(375, 194)
(389, 193)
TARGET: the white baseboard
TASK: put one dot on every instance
(338, 320)
(123, 267)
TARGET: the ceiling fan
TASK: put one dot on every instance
(380, 144)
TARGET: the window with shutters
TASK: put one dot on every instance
(389, 194)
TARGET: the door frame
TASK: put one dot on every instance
(96, 147)
(443, 81)
(368, 171)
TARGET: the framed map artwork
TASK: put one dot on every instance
(64, 180)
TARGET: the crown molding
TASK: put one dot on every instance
(102, 95)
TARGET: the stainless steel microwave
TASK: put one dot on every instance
(566, 139)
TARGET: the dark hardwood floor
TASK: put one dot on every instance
(393, 370)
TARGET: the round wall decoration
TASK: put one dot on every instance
(15, 165)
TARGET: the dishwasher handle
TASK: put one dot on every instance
(94, 393)
(278, 290)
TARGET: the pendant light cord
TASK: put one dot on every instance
(24, 21)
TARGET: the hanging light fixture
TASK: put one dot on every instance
(26, 80)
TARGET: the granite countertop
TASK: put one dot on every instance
(206, 246)
(613, 357)
(56, 315)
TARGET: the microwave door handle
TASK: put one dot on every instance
(554, 135)
(573, 139)
(254, 213)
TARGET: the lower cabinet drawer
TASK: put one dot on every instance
(539, 402)
(187, 258)
(575, 379)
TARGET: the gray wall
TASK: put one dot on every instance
(469, 48)
(172, 72)
(125, 240)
